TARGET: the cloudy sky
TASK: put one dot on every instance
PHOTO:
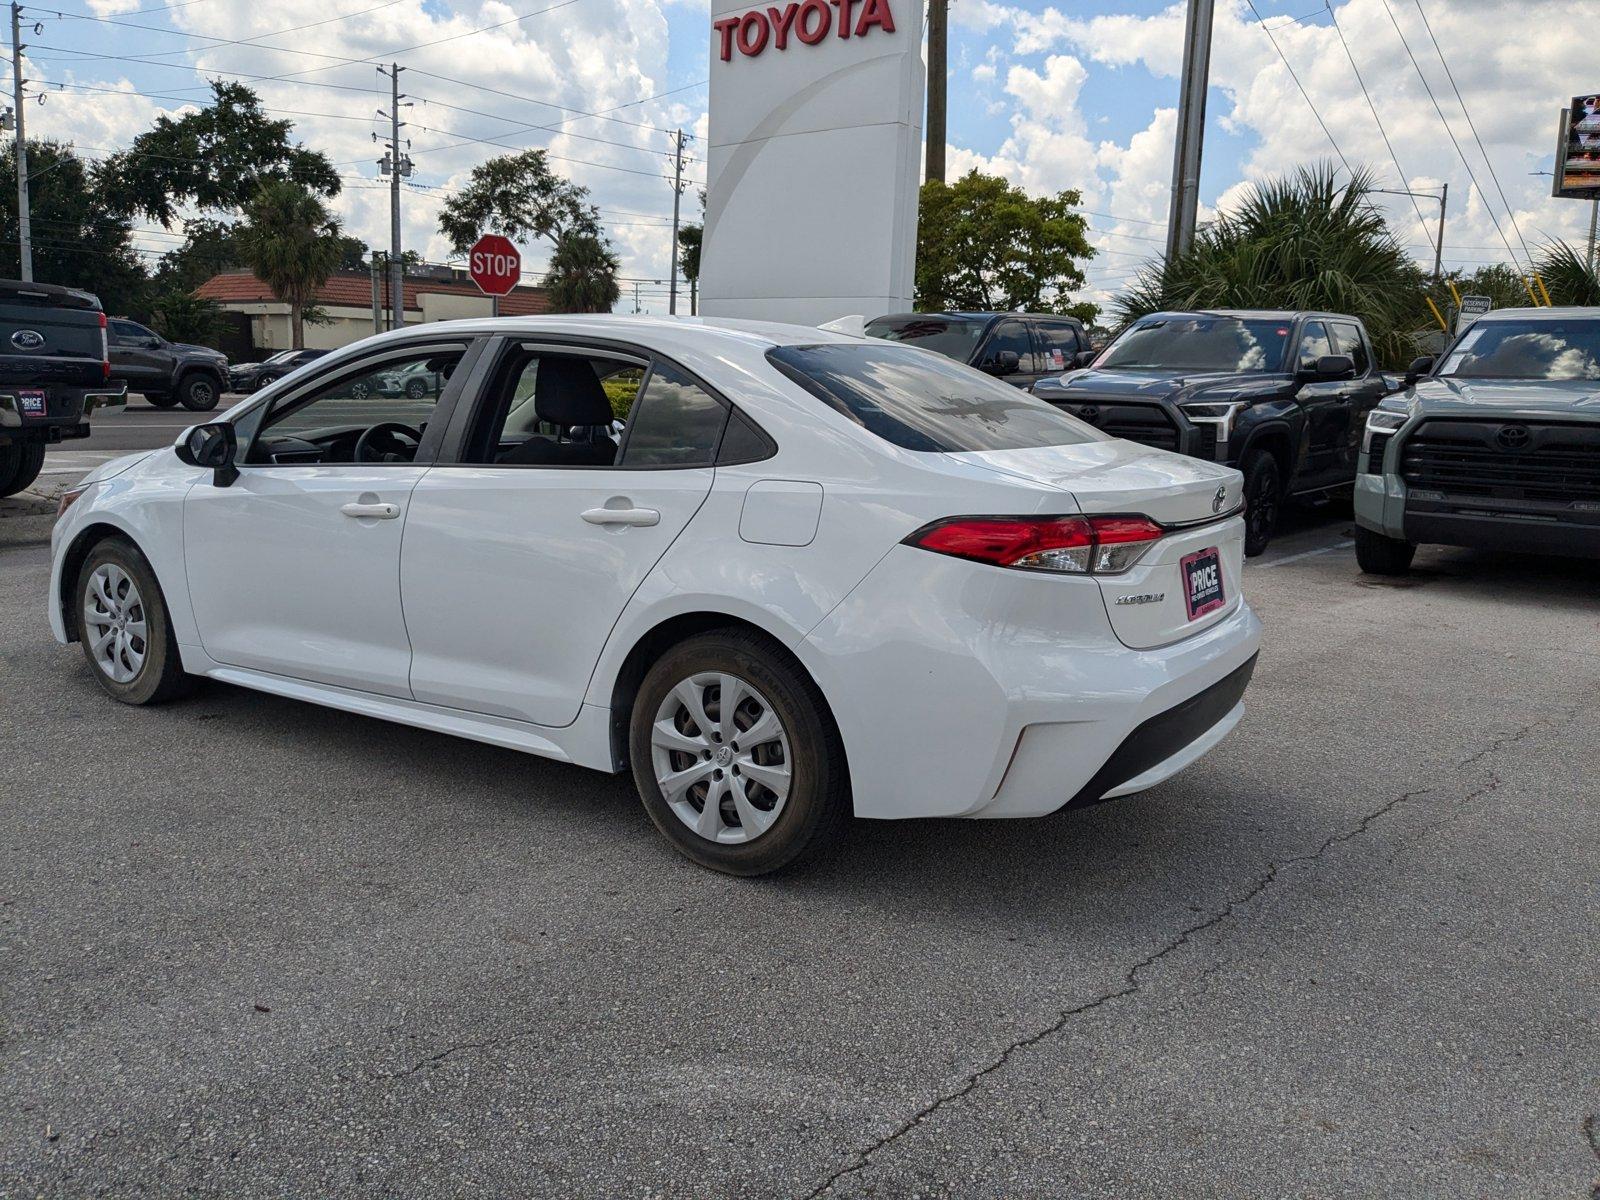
(1050, 96)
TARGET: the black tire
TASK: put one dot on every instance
(1380, 555)
(1263, 500)
(160, 676)
(199, 392)
(817, 805)
(20, 464)
(160, 401)
(416, 389)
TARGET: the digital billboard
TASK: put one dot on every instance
(1578, 152)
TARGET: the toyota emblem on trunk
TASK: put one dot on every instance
(1219, 499)
(1513, 437)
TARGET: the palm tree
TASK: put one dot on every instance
(292, 243)
(582, 276)
(1301, 242)
(1567, 274)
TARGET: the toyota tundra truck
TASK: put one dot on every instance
(55, 370)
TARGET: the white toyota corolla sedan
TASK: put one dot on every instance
(782, 575)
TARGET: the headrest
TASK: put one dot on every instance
(567, 392)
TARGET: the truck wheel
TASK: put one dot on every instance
(199, 393)
(1263, 497)
(20, 464)
(123, 625)
(159, 400)
(1379, 555)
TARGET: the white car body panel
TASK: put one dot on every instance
(959, 688)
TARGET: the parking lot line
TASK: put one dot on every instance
(1278, 562)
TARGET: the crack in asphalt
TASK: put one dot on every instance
(1132, 983)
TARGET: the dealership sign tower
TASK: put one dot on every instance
(814, 159)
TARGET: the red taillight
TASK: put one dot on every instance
(105, 352)
(1076, 545)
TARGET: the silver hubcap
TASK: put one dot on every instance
(721, 757)
(114, 623)
(200, 391)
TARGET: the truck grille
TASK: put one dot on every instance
(1146, 424)
(1508, 460)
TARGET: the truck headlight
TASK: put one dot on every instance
(1382, 420)
(1220, 414)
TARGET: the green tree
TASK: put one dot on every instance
(984, 244)
(1304, 241)
(209, 247)
(1567, 274)
(690, 238)
(78, 241)
(184, 317)
(519, 196)
(212, 159)
(293, 243)
(582, 275)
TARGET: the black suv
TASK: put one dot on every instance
(1020, 348)
(1282, 396)
(166, 373)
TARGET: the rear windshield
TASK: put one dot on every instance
(1199, 343)
(953, 337)
(923, 402)
(1526, 350)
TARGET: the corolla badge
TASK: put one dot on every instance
(1219, 499)
(27, 339)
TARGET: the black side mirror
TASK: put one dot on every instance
(1003, 362)
(1333, 366)
(1418, 368)
(214, 446)
(1084, 357)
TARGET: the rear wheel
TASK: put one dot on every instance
(1380, 555)
(736, 757)
(1263, 499)
(20, 464)
(199, 393)
(124, 628)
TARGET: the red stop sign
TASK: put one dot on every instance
(494, 264)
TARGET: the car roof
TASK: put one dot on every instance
(1564, 312)
(661, 332)
(962, 315)
(1253, 314)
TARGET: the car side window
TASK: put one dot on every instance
(126, 333)
(339, 421)
(1314, 343)
(676, 422)
(1352, 343)
(1013, 336)
(1060, 342)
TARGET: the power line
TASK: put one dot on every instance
(1487, 161)
(1261, 21)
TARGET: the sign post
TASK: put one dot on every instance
(495, 266)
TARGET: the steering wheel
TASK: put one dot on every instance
(386, 442)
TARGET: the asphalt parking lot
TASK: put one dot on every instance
(256, 948)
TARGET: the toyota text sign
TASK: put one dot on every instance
(494, 264)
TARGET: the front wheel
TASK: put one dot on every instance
(199, 393)
(20, 464)
(1263, 498)
(1380, 555)
(124, 628)
(736, 756)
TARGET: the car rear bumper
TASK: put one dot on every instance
(962, 689)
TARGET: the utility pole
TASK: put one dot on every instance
(677, 197)
(1191, 128)
(1438, 245)
(377, 303)
(24, 222)
(938, 80)
(397, 165)
(636, 308)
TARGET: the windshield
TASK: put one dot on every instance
(1198, 343)
(953, 337)
(921, 402)
(1527, 350)
(279, 357)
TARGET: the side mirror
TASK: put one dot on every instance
(1084, 357)
(1418, 368)
(1004, 362)
(213, 446)
(1334, 366)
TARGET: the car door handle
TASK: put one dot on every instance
(622, 516)
(383, 512)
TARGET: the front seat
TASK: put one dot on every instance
(567, 393)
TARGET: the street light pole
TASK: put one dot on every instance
(24, 220)
(1191, 129)
(938, 85)
(1442, 197)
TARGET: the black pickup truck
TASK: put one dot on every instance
(54, 371)
(166, 373)
(1282, 396)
